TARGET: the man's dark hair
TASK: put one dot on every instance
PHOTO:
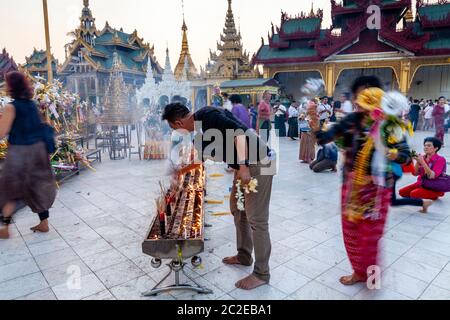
(225, 95)
(235, 99)
(435, 141)
(175, 111)
(416, 101)
(442, 97)
(366, 82)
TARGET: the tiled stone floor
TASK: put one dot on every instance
(100, 219)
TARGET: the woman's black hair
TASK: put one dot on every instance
(435, 141)
(175, 111)
(366, 82)
(235, 99)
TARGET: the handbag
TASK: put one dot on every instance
(439, 184)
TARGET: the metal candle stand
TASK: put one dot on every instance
(177, 266)
(187, 217)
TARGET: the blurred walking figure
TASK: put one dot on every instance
(439, 118)
(280, 118)
(414, 111)
(293, 121)
(366, 188)
(428, 115)
(27, 174)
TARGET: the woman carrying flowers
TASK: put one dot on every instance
(372, 137)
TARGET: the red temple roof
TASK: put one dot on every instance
(300, 39)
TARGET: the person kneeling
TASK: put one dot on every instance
(430, 170)
(326, 159)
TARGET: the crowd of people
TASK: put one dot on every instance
(373, 161)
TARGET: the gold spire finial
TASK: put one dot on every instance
(312, 9)
(86, 3)
(184, 27)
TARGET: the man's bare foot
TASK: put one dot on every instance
(234, 261)
(41, 227)
(249, 283)
(426, 205)
(351, 280)
(4, 233)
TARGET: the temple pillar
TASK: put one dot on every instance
(208, 96)
(86, 92)
(267, 73)
(330, 79)
(76, 85)
(254, 99)
(97, 99)
(193, 98)
(405, 73)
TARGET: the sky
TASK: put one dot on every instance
(157, 21)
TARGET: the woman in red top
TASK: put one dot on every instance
(264, 113)
(432, 166)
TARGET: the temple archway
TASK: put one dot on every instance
(163, 101)
(292, 82)
(346, 77)
(179, 99)
(431, 82)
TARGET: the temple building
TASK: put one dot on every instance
(7, 64)
(91, 56)
(230, 62)
(408, 52)
(36, 64)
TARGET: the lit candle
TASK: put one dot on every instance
(185, 233)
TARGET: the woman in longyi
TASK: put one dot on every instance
(372, 137)
(27, 174)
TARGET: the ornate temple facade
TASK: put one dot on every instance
(118, 108)
(36, 64)
(7, 64)
(90, 58)
(230, 62)
(410, 52)
(169, 89)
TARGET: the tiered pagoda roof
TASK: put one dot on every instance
(185, 62)
(36, 63)
(97, 48)
(7, 64)
(300, 39)
(231, 61)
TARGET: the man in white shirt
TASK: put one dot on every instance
(226, 102)
(347, 106)
(428, 115)
(293, 121)
(280, 118)
(324, 110)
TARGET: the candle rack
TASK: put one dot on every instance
(177, 230)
